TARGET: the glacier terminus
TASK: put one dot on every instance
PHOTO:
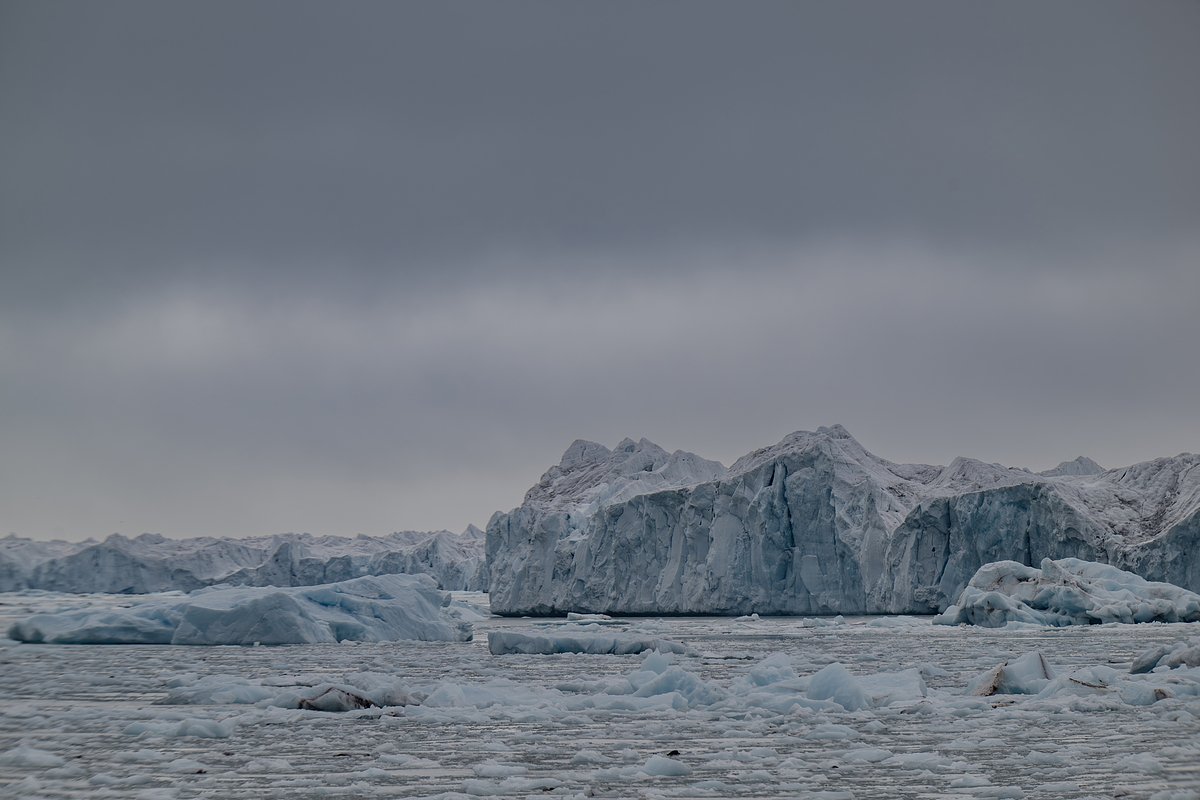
(816, 524)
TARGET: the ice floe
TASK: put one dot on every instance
(1028, 674)
(370, 609)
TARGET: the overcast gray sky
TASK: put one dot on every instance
(362, 267)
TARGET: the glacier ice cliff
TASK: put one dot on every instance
(816, 524)
(151, 563)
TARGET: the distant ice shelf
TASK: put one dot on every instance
(151, 563)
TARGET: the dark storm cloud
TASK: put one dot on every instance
(140, 137)
(368, 266)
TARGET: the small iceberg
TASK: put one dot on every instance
(1068, 591)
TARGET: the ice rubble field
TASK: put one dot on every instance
(760, 710)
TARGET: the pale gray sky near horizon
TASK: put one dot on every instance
(292, 266)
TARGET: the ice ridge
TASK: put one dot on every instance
(152, 563)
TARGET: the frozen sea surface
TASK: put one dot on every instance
(83, 721)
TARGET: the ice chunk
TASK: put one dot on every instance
(334, 698)
(494, 769)
(1028, 674)
(515, 785)
(199, 728)
(1068, 591)
(661, 766)
(866, 755)
(354, 691)
(835, 683)
(594, 619)
(832, 732)
(677, 681)
(184, 766)
(216, 690)
(373, 609)
(1181, 654)
(886, 688)
(509, 642)
(587, 757)
(1141, 762)
(25, 755)
(1134, 690)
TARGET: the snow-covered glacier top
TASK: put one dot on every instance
(840, 445)
(591, 476)
(1081, 465)
(1139, 502)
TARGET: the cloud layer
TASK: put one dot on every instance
(270, 267)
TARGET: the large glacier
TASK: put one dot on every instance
(816, 524)
(152, 563)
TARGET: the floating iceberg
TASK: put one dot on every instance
(816, 525)
(512, 642)
(371, 609)
(1066, 592)
(1131, 689)
(1180, 654)
(1028, 674)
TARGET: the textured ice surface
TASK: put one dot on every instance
(739, 717)
(1067, 592)
(372, 609)
(818, 525)
(150, 563)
